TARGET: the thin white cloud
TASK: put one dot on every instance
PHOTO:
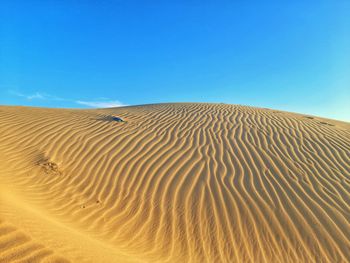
(36, 95)
(97, 103)
(101, 104)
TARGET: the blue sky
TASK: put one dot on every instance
(288, 55)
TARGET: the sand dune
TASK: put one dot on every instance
(175, 183)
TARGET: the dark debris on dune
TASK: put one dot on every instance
(117, 119)
(112, 119)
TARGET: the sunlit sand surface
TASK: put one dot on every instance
(173, 183)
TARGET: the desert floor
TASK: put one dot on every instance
(184, 182)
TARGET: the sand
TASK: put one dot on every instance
(174, 183)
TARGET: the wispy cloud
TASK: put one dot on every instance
(101, 104)
(97, 103)
(36, 95)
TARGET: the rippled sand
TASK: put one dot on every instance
(174, 183)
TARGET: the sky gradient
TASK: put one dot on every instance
(290, 56)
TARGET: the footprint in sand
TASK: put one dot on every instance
(49, 167)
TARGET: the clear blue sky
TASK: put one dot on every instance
(288, 55)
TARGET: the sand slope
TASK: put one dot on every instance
(176, 183)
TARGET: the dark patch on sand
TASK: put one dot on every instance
(111, 118)
(326, 123)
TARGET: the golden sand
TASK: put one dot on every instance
(175, 183)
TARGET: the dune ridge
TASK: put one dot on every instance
(181, 182)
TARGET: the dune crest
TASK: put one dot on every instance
(183, 182)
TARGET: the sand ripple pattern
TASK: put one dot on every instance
(184, 182)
